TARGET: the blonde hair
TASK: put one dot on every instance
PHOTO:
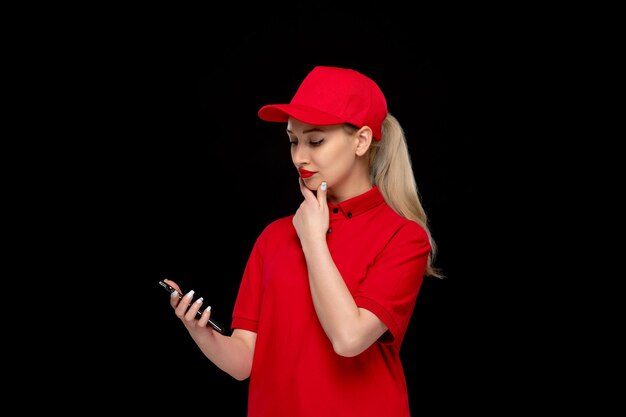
(391, 171)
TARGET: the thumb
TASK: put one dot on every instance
(321, 193)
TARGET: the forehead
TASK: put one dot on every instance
(296, 126)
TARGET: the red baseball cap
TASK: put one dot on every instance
(331, 95)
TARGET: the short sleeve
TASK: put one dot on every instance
(248, 302)
(393, 280)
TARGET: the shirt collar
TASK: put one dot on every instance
(359, 204)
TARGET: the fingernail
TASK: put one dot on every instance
(189, 294)
(323, 185)
(199, 300)
(174, 294)
(208, 309)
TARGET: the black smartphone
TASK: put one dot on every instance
(218, 327)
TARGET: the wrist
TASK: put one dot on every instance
(313, 242)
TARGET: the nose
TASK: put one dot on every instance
(299, 155)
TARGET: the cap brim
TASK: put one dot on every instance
(282, 112)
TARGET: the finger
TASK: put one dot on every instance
(175, 298)
(308, 194)
(321, 194)
(172, 284)
(193, 309)
(204, 318)
(183, 304)
(176, 295)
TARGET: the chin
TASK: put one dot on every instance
(312, 184)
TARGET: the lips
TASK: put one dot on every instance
(305, 174)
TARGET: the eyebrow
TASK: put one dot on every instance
(314, 129)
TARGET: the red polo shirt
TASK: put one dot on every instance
(296, 373)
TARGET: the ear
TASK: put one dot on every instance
(364, 140)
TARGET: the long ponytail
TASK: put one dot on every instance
(392, 172)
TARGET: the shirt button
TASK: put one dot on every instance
(349, 214)
(335, 210)
(329, 230)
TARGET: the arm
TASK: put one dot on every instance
(232, 354)
(350, 329)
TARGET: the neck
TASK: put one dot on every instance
(356, 184)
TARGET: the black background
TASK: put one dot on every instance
(194, 176)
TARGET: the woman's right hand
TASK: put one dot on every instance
(187, 311)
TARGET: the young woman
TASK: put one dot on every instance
(328, 292)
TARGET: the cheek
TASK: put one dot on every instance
(337, 162)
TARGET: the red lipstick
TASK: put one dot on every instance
(305, 174)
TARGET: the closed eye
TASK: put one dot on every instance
(311, 142)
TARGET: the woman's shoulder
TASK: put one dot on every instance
(403, 226)
(276, 232)
(279, 226)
